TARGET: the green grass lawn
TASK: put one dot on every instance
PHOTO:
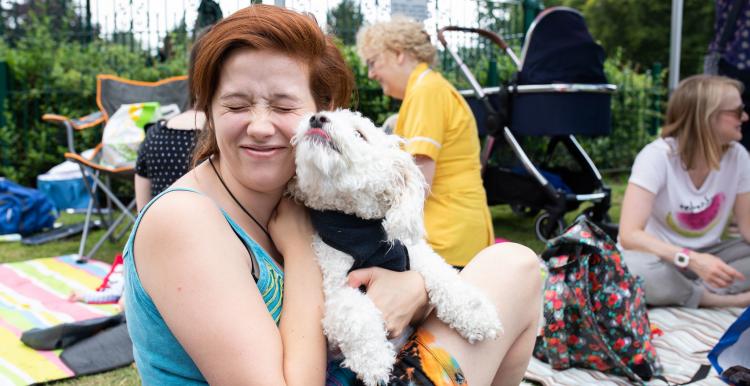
(507, 225)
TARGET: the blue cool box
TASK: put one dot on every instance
(65, 193)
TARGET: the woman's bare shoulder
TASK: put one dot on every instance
(181, 218)
(182, 236)
(179, 206)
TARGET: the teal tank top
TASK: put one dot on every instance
(159, 357)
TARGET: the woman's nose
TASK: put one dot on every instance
(259, 123)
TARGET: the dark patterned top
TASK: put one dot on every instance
(737, 49)
(164, 156)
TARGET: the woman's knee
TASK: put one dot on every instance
(509, 256)
(666, 286)
(517, 264)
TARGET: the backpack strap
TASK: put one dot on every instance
(699, 375)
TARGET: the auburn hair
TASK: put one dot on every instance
(267, 27)
(689, 119)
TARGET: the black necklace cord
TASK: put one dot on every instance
(238, 201)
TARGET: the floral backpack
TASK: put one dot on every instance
(595, 309)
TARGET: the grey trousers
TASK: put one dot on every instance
(665, 284)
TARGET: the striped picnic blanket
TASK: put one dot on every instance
(34, 293)
(689, 334)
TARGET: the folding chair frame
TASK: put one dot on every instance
(99, 174)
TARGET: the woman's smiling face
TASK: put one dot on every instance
(261, 98)
(727, 121)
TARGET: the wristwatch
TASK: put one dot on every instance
(682, 258)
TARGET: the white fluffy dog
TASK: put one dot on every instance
(360, 188)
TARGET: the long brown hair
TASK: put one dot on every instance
(266, 27)
(692, 106)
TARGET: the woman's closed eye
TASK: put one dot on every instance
(236, 108)
(284, 109)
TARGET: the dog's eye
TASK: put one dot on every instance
(359, 135)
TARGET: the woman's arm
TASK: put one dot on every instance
(301, 317)
(198, 273)
(742, 214)
(636, 208)
(427, 167)
(142, 191)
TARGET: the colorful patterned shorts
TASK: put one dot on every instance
(420, 363)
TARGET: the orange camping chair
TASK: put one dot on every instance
(111, 93)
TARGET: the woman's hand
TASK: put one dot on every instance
(290, 226)
(400, 296)
(714, 271)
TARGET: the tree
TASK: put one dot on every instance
(66, 23)
(641, 28)
(209, 12)
(344, 21)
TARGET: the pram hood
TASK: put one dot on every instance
(560, 49)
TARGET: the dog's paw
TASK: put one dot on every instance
(479, 323)
(471, 314)
(480, 330)
(372, 370)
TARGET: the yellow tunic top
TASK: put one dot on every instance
(436, 122)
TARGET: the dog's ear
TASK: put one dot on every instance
(404, 219)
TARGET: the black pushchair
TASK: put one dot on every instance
(559, 91)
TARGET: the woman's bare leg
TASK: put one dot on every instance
(510, 275)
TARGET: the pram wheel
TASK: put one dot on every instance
(523, 211)
(546, 227)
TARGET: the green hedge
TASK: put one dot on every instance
(637, 111)
(49, 74)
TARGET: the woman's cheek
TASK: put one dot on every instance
(289, 125)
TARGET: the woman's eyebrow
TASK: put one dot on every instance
(234, 94)
(280, 96)
(284, 96)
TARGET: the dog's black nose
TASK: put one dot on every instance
(318, 120)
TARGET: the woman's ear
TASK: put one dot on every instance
(400, 57)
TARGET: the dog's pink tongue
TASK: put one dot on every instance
(318, 132)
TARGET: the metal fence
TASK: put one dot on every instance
(145, 24)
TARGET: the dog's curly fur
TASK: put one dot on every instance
(351, 166)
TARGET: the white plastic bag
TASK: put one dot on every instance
(123, 133)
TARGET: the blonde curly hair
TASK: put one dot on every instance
(400, 34)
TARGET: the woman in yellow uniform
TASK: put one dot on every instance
(440, 131)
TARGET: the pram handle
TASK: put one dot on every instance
(495, 38)
(488, 34)
(602, 88)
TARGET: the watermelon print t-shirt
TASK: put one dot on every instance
(684, 215)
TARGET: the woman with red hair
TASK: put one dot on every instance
(210, 259)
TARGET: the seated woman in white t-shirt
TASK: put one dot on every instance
(683, 190)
